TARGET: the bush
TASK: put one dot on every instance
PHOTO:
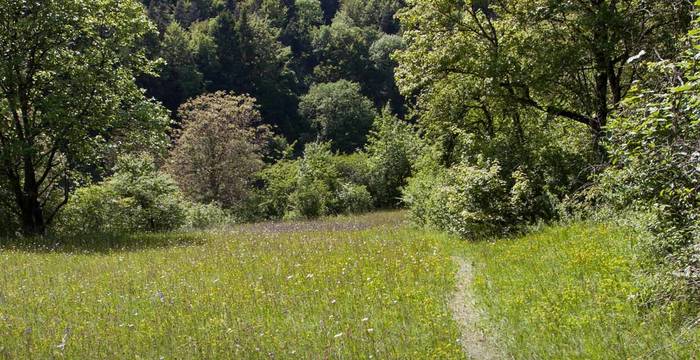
(354, 198)
(354, 168)
(475, 199)
(279, 182)
(469, 201)
(393, 147)
(136, 198)
(318, 184)
(311, 198)
(655, 158)
(205, 216)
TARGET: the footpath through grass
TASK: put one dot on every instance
(344, 288)
(365, 287)
(568, 292)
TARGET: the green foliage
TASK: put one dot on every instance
(381, 52)
(392, 148)
(274, 51)
(354, 168)
(568, 59)
(654, 151)
(136, 198)
(69, 98)
(279, 182)
(469, 201)
(338, 111)
(538, 169)
(378, 14)
(205, 217)
(354, 198)
(343, 52)
(180, 79)
(318, 184)
(9, 222)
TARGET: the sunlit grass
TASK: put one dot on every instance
(309, 293)
(568, 292)
(352, 287)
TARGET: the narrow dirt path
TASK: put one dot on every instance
(474, 342)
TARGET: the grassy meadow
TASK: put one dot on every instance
(568, 292)
(341, 288)
(364, 287)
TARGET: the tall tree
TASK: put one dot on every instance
(219, 148)
(567, 59)
(180, 78)
(339, 113)
(66, 91)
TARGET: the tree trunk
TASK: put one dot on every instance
(33, 222)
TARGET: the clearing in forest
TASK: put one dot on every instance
(357, 287)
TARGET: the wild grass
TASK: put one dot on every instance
(569, 292)
(342, 288)
(301, 291)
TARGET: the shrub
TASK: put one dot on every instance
(311, 198)
(317, 184)
(655, 158)
(393, 147)
(475, 199)
(469, 201)
(354, 198)
(279, 182)
(205, 216)
(136, 198)
(354, 168)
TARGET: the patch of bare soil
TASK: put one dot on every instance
(475, 343)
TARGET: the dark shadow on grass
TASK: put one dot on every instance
(102, 243)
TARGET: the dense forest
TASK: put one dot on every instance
(276, 52)
(482, 118)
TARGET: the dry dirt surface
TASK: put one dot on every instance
(476, 344)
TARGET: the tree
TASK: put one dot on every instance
(219, 148)
(67, 94)
(180, 79)
(654, 147)
(342, 52)
(381, 53)
(338, 112)
(566, 59)
(267, 76)
(378, 14)
(330, 7)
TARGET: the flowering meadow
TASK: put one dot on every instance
(360, 287)
(568, 292)
(366, 287)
